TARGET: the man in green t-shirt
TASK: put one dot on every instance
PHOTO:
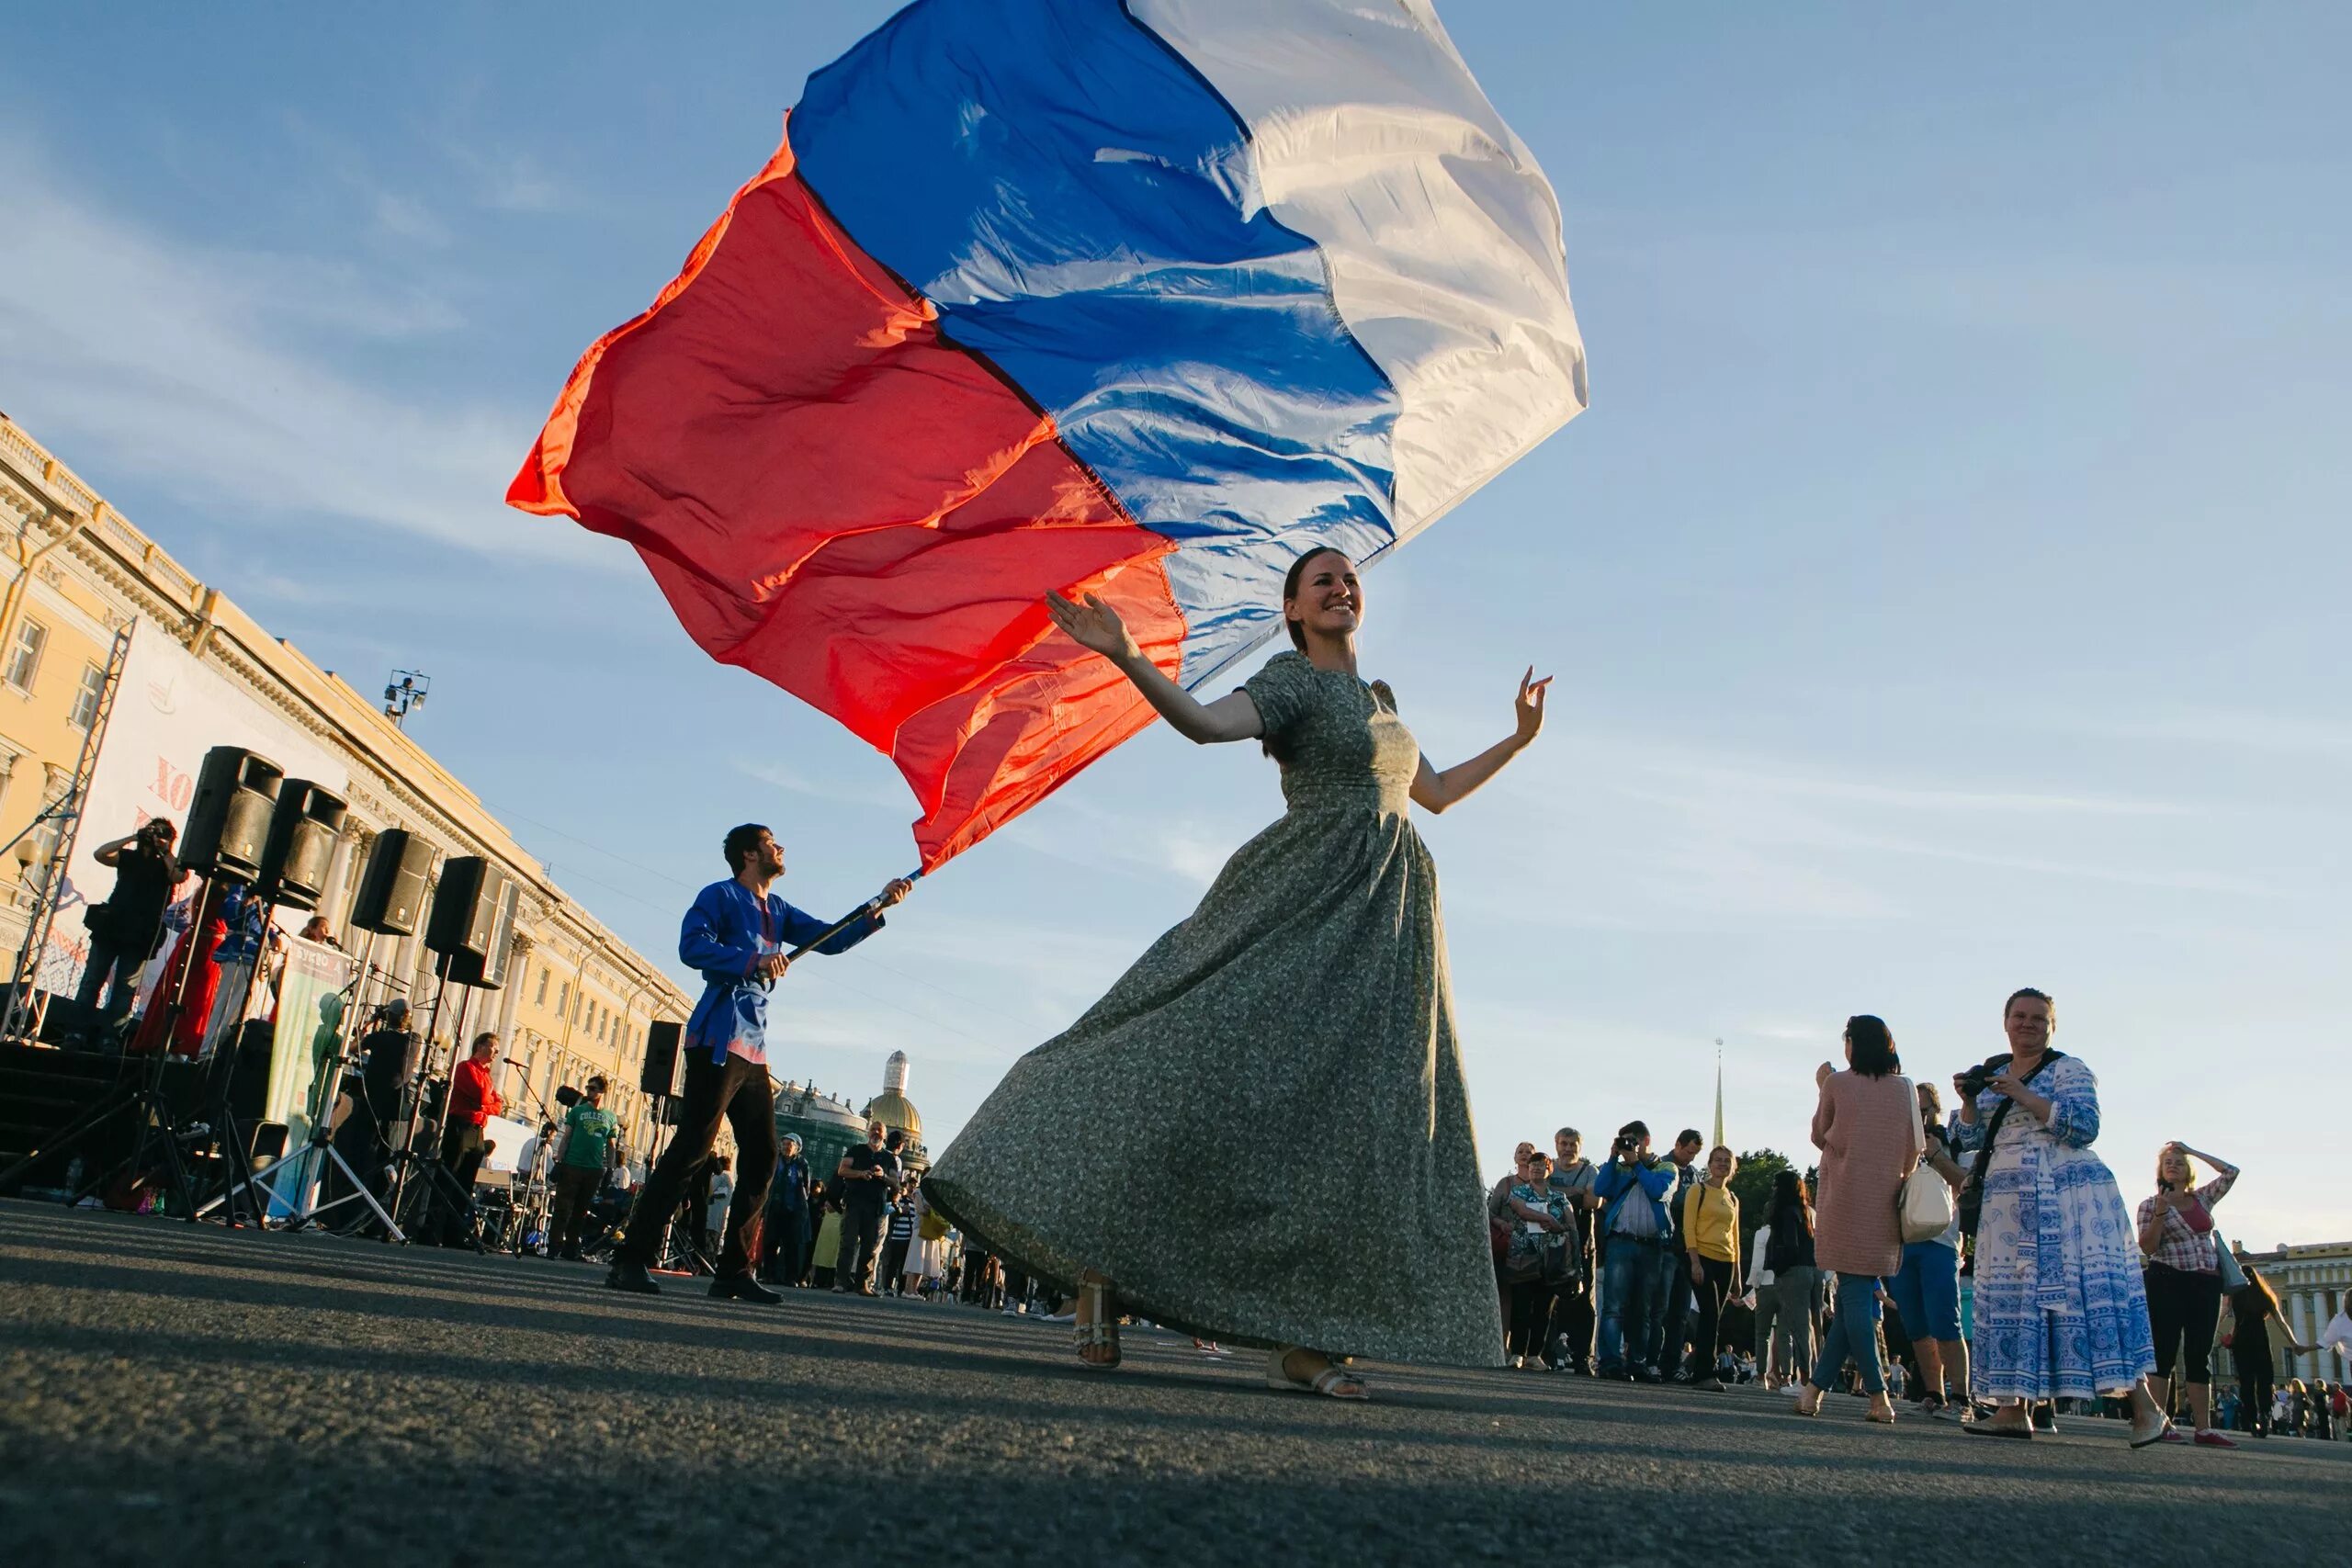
(588, 1133)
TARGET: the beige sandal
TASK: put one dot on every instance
(1334, 1381)
(1094, 1295)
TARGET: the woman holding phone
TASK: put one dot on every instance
(2185, 1280)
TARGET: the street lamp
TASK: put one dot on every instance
(409, 689)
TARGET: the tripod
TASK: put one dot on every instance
(530, 1184)
(308, 1170)
(438, 1182)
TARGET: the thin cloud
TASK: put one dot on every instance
(222, 375)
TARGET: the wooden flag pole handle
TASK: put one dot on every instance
(870, 907)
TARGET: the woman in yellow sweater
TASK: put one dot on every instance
(1710, 1234)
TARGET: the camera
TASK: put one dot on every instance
(1978, 1078)
(1625, 1146)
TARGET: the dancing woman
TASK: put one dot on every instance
(1261, 1134)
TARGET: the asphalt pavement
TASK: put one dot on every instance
(176, 1394)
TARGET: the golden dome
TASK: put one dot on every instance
(895, 1111)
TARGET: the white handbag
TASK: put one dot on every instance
(1925, 1204)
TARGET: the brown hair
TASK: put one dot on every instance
(1290, 589)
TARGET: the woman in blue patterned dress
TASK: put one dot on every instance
(2060, 1311)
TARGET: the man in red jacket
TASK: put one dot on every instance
(472, 1101)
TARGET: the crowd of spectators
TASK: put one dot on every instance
(1873, 1273)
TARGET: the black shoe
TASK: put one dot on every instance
(631, 1277)
(742, 1288)
(1646, 1375)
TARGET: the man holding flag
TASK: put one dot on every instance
(740, 936)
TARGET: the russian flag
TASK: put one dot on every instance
(1136, 298)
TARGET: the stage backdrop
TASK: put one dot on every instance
(170, 711)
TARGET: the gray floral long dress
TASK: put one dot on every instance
(1261, 1134)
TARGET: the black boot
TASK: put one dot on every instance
(631, 1277)
(742, 1288)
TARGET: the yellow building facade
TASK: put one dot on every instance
(577, 999)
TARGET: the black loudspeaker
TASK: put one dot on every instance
(300, 850)
(391, 890)
(464, 906)
(661, 1075)
(229, 816)
(472, 923)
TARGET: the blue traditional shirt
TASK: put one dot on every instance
(726, 934)
(245, 915)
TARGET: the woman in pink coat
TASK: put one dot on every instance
(1867, 1128)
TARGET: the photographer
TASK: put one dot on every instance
(124, 930)
(869, 1175)
(2062, 1311)
(1635, 1230)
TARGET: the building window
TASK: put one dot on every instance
(24, 660)
(563, 1002)
(86, 700)
(541, 999)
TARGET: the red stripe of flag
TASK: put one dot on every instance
(836, 498)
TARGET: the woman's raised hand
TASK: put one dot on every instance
(1093, 624)
(1529, 707)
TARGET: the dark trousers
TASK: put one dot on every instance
(894, 1259)
(1713, 1293)
(575, 1190)
(861, 1246)
(2184, 1309)
(1531, 1316)
(787, 1245)
(738, 1092)
(1572, 1325)
(1674, 1310)
(451, 1215)
(122, 964)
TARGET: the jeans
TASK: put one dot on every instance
(1674, 1303)
(122, 965)
(1629, 1304)
(738, 1092)
(1853, 1331)
(1784, 1321)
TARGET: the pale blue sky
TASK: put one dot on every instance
(1946, 587)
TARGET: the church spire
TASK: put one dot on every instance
(1719, 1092)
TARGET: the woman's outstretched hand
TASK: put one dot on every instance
(1528, 706)
(1095, 625)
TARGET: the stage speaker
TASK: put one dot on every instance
(229, 816)
(300, 850)
(472, 923)
(661, 1075)
(391, 890)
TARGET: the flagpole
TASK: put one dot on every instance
(870, 907)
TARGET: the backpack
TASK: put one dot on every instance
(1781, 1248)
